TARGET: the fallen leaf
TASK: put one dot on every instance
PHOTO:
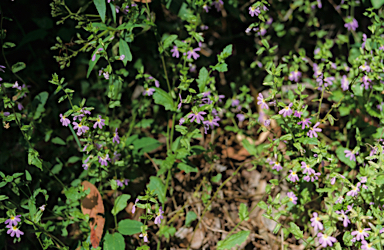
(93, 206)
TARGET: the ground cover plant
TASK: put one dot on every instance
(191, 124)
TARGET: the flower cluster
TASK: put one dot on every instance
(12, 223)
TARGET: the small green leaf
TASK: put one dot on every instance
(114, 242)
(129, 227)
(249, 147)
(167, 231)
(377, 3)
(243, 212)
(191, 216)
(163, 98)
(157, 184)
(217, 178)
(187, 168)
(233, 240)
(203, 79)
(295, 230)
(58, 140)
(124, 50)
(168, 41)
(101, 8)
(28, 175)
(120, 203)
(18, 66)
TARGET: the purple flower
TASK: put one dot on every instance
(328, 81)
(287, 111)
(262, 31)
(340, 200)
(192, 53)
(326, 240)
(218, 4)
(235, 102)
(42, 208)
(355, 190)
(367, 246)
(343, 218)
(352, 24)
(366, 82)
(181, 121)
(175, 52)
(350, 154)
(64, 120)
(198, 116)
(159, 216)
(304, 122)
(344, 83)
(276, 165)
(361, 233)
(333, 181)
(267, 122)
(316, 224)
(212, 122)
(13, 220)
(80, 128)
(103, 160)
(294, 76)
(97, 52)
(293, 176)
(16, 86)
(13, 230)
(292, 197)
(365, 67)
(319, 5)
(312, 131)
(145, 237)
(311, 177)
(121, 182)
(99, 122)
(181, 102)
(364, 40)
(2, 68)
(307, 168)
(116, 137)
(134, 206)
(297, 114)
(241, 117)
(206, 8)
(261, 101)
(253, 10)
(148, 91)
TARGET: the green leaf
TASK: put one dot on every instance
(113, 10)
(73, 159)
(167, 231)
(163, 98)
(33, 159)
(377, 3)
(8, 45)
(249, 147)
(187, 168)
(157, 184)
(262, 205)
(341, 155)
(226, 53)
(28, 175)
(217, 178)
(101, 8)
(295, 230)
(3, 197)
(168, 41)
(191, 216)
(203, 79)
(124, 50)
(243, 212)
(233, 240)
(114, 242)
(120, 203)
(58, 140)
(129, 227)
(18, 66)
(145, 145)
(222, 67)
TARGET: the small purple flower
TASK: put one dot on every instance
(64, 120)
(307, 168)
(181, 102)
(292, 197)
(134, 206)
(367, 246)
(343, 218)
(287, 111)
(13, 230)
(311, 177)
(262, 31)
(235, 102)
(294, 76)
(293, 176)
(159, 216)
(297, 114)
(175, 52)
(276, 165)
(350, 154)
(340, 200)
(206, 8)
(212, 122)
(355, 190)
(13, 220)
(366, 82)
(97, 52)
(352, 24)
(328, 81)
(2, 68)
(181, 121)
(326, 240)
(241, 117)
(192, 53)
(333, 181)
(316, 224)
(119, 183)
(148, 91)
(198, 116)
(122, 57)
(344, 83)
(267, 122)
(364, 41)
(253, 10)
(145, 237)
(218, 4)
(42, 208)
(103, 160)
(99, 122)
(116, 137)
(304, 122)
(313, 131)
(80, 128)
(361, 234)
(261, 101)
(365, 67)
(16, 86)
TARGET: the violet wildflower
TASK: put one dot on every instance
(262, 31)
(175, 52)
(121, 182)
(355, 190)
(316, 224)
(2, 68)
(294, 76)
(261, 101)
(42, 208)
(293, 176)
(192, 53)
(116, 157)
(122, 57)
(145, 236)
(319, 5)
(367, 246)
(159, 216)
(313, 131)
(297, 114)
(276, 165)
(311, 177)
(221, 97)
(253, 10)
(366, 82)
(13, 230)
(269, 21)
(343, 218)
(352, 24)
(241, 117)
(97, 52)
(218, 4)
(99, 122)
(13, 220)
(364, 41)
(134, 206)
(326, 240)
(181, 102)
(287, 111)
(316, 51)
(103, 160)
(339, 200)
(116, 137)
(328, 81)
(181, 121)
(304, 122)
(80, 128)
(16, 86)
(292, 197)
(86, 165)
(267, 122)
(198, 116)
(333, 181)
(365, 67)
(361, 234)
(350, 154)
(148, 91)
(64, 120)
(206, 8)
(307, 168)
(344, 83)
(212, 122)
(235, 102)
